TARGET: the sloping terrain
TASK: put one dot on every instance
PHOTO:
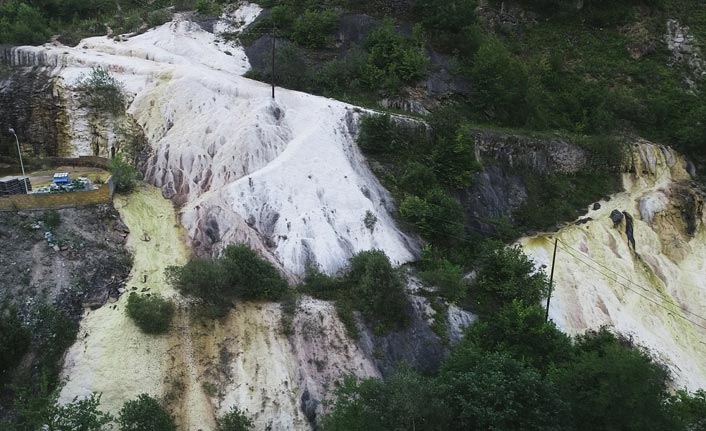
(636, 263)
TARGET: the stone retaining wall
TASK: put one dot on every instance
(59, 200)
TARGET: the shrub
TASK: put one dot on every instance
(124, 175)
(158, 17)
(321, 285)
(234, 420)
(202, 278)
(253, 277)
(238, 274)
(52, 219)
(152, 314)
(102, 92)
(82, 415)
(417, 177)
(381, 134)
(14, 340)
(436, 214)
(207, 7)
(144, 414)
(312, 28)
(448, 277)
(370, 220)
(341, 76)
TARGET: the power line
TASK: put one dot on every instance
(617, 273)
(647, 298)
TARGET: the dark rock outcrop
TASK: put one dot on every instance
(417, 346)
(499, 188)
(31, 103)
(617, 217)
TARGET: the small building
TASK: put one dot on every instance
(62, 178)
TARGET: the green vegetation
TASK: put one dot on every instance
(14, 340)
(52, 219)
(79, 415)
(34, 22)
(101, 92)
(371, 286)
(20, 23)
(124, 175)
(312, 28)
(505, 274)
(46, 332)
(144, 414)
(393, 60)
(238, 274)
(597, 382)
(152, 314)
(234, 420)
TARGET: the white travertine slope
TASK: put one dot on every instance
(600, 280)
(284, 176)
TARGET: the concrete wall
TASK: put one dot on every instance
(59, 200)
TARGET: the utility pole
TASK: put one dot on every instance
(551, 280)
(273, 60)
(19, 151)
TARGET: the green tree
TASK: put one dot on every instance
(21, 23)
(455, 159)
(144, 414)
(505, 274)
(102, 92)
(238, 274)
(312, 28)
(393, 60)
(689, 410)
(610, 385)
(522, 332)
(152, 314)
(377, 290)
(406, 401)
(499, 85)
(488, 390)
(436, 215)
(124, 175)
(81, 415)
(447, 276)
(234, 420)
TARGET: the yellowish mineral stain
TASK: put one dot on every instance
(112, 356)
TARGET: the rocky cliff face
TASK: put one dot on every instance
(498, 189)
(31, 102)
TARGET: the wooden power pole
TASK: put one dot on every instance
(274, 37)
(551, 279)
